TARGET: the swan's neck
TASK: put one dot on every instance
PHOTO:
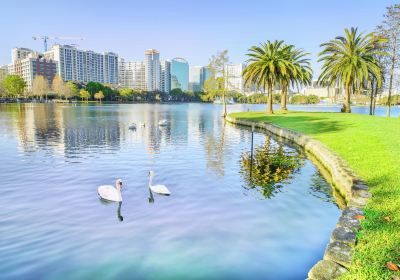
(119, 193)
(150, 181)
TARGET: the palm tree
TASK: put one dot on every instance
(349, 60)
(300, 72)
(268, 63)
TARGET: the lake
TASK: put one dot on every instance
(213, 226)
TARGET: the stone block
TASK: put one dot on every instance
(326, 270)
(349, 222)
(339, 252)
(344, 235)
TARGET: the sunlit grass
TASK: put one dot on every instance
(371, 147)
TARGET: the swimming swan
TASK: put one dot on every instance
(160, 189)
(108, 192)
(163, 123)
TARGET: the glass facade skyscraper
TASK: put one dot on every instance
(197, 76)
(179, 74)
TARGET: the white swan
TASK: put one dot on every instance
(163, 123)
(142, 124)
(132, 126)
(160, 189)
(108, 192)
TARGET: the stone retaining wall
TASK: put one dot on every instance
(339, 251)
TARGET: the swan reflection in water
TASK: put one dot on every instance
(107, 202)
(151, 197)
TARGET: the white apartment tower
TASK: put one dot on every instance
(234, 80)
(84, 66)
(21, 53)
(165, 85)
(132, 74)
(152, 70)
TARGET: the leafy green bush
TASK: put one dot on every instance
(304, 99)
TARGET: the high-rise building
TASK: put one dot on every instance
(3, 72)
(29, 65)
(132, 74)
(197, 76)
(152, 69)
(179, 74)
(234, 79)
(165, 76)
(84, 66)
(21, 53)
(110, 68)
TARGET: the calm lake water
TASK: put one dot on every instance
(213, 226)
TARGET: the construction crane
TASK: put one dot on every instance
(46, 38)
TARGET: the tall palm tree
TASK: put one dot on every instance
(267, 64)
(349, 60)
(300, 72)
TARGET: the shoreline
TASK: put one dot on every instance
(339, 252)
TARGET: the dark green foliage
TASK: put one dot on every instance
(270, 166)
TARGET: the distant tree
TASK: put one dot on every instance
(93, 87)
(390, 29)
(40, 86)
(211, 85)
(99, 95)
(84, 94)
(138, 95)
(349, 61)
(59, 87)
(126, 93)
(298, 71)
(13, 85)
(72, 89)
(267, 65)
(109, 92)
(2, 90)
(176, 94)
(216, 66)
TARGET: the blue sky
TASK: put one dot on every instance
(191, 29)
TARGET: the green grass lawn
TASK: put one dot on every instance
(371, 147)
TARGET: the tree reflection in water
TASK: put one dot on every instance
(272, 166)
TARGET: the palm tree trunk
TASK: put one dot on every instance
(269, 105)
(375, 96)
(371, 102)
(346, 104)
(374, 103)
(284, 97)
(393, 62)
(371, 99)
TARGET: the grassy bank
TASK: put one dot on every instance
(371, 147)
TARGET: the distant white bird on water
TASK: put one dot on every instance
(160, 189)
(132, 126)
(163, 123)
(108, 192)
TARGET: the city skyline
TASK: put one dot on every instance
(224, 25)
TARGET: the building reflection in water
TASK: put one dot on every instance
(70, 130)
(63, 129)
